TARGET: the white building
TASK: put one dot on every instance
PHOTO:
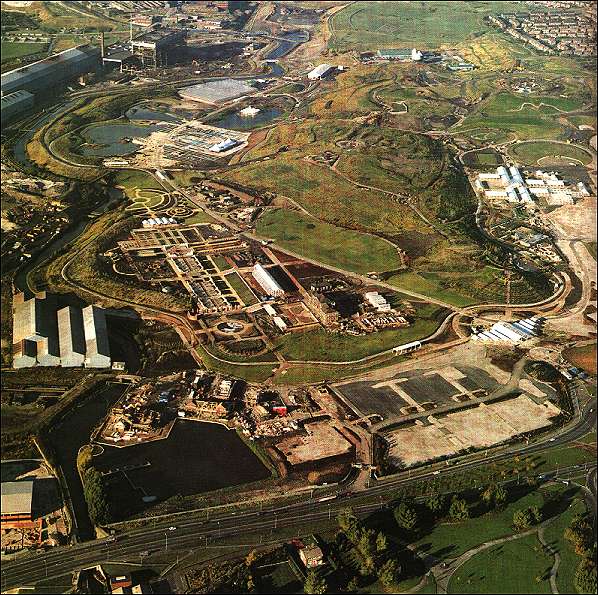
(319, 72)
(377, 301)
(224, 145)
(266, 281)
(249, 111)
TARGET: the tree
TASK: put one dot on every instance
(585, 576)
(436, 503)
(536, 515)
(365, 544)
(347, 521)
(353, 585)
(500, 496)
(388, 573)
(381, 542)
(522, 519)
(405, 516)
(494, 496)
(314, 583)
(459, 510)
(250, 558)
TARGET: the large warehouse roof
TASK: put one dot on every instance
(17, 497)
(217, 91)
(68, 60)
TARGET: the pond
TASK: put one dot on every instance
(197, 457)
(234, 121)
(112, 139)
(138, 112)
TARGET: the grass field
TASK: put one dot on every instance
(12, 50)
(519, 566)
(530, 153)
(366, 26)
(525, 117)
(248, 373)
(242, 289)
(325, 242)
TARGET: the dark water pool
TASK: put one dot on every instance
(197, 457)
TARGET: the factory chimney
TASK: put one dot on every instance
(102, 45)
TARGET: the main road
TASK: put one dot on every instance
(199, 528)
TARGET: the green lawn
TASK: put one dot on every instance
(327, 243)
(529, 153)
(249, 373)
(131, 179)
(199, 217)
(450, 540)
(368, 25)
(12, 50)
(427, 286)
(241, 288)
(519, 566)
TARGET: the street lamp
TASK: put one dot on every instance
(166, 541)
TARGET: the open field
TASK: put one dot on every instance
(583, 357)
(366, 26)
(528, 569)
(12, 50)
(330, 244)
(531, 153)
(249, 373)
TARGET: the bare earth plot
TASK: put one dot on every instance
(480, 427)
(323, 441)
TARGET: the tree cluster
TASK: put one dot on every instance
(526, 518)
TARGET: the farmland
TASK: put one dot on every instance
(364, 25)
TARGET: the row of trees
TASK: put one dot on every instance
(94, 491)
(581, 536)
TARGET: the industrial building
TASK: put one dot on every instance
(216, 92)
(319, 72)
(509, 184)
(97, 349)
(52, 72)
(44, 335)
(35, 331)
(71, 337)
(266, 281)
(15, 104)
(17, 497)
(154, 48)
(511, 332)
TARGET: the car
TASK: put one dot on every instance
(172, 528)
(436, 473)
(552, 440)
